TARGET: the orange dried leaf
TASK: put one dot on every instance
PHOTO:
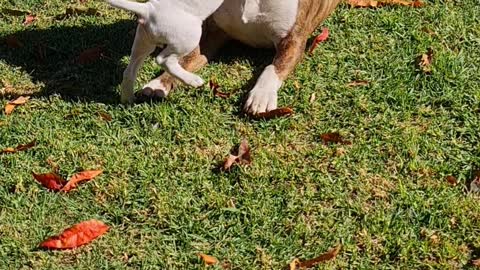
(8, 150)
(105, 116)
(333, 137)
(51, 181)
(280, 112)
(12, 104)
(329, 255)
(374, 4)
(29, 19)
(207, 259)
(319, 39)
(425, 61)
(80, 177)
(21, 147)
(78, 235)
(91, 55)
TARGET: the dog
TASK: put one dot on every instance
(174, 23)
(285, 25)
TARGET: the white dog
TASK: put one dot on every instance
(174, 23)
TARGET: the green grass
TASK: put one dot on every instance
(384, 197)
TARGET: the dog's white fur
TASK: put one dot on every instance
(258, 23)
(174, 23)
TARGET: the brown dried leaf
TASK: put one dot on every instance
(51, 181)
(333, 137)
(243, 156)
(358, 83)
(425, 61)
(280, 112)
(91, 55)
(476, 262)
(216, 92)
(207, 259)
(105, 116)
(375, 4)
(329, 255)
(13, 42)
(20, 147)
(452, 180)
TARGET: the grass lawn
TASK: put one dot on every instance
(384, 198)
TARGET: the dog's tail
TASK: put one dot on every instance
(138, 8)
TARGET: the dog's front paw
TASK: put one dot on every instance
(263, 97)
(261, 100)
(155, 89)
(194, 81)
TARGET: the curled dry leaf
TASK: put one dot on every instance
(334, 137)
(20, 147)
(51, 181)
(243, 157)
(91, 55)
(77, 235)
(280, 112)
(319, 39)
(296, 264)
(451, 180)
(78, 178)
(358, 83)
(207, 259)
(29, 19)
(14, 103)
(425, 61)
(105, 116)
(216, 92)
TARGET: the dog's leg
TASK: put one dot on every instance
(169, 61)
(140, 50)
(213, 39)
(263, 96)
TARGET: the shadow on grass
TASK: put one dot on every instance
(49, 57)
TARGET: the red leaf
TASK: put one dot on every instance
(329, 255)
(52, 181)
(90, 55)
(319, 39)
(80, 177)
(243, 156)
(334, 137)
(78, 235)
(280, 112)
(452, 180)
(29, 19)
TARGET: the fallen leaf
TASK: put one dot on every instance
(425, 61)
(77, 235)
(358, 83)
(333, 137)
(476, 262)
(452, 180)
(20, 147)
(89, 56)
(319, 39)
(312, 98)
(216, 92)
(374, 4)
(14, 12)
(13, 42)
(207, 259)
(78, 10)
(78, 178)
(51, 181)
(329, 255)
(243, 156)
(475, 184)
(29, 19)
(105, 116)
(280, 112)
(14, 103)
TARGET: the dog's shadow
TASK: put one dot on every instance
(51, 58)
